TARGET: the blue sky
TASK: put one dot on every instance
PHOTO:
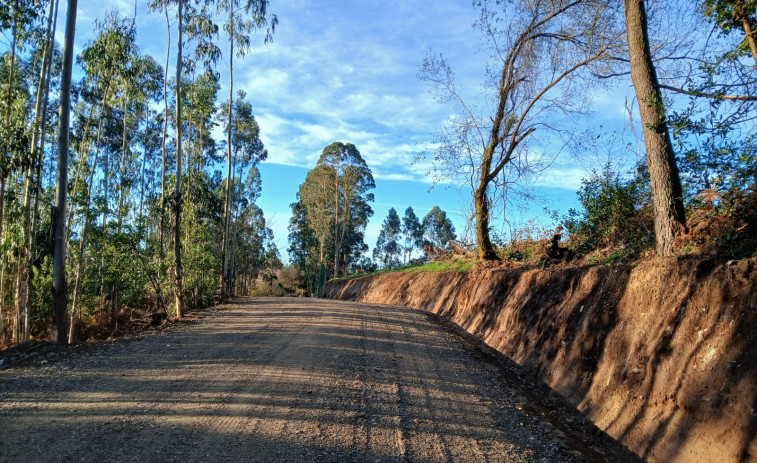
(347, 71)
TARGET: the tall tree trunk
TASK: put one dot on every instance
(83, 242)
(26, 271)
(176, 200)
(2, 293)
(106, 185)
(124, 146)
(106, 181)
(75, 299)
(225, 248)
(337, 244)
(59, 217)
(188, 166)
(8, 100)
(142, 186)
(163, 142)
(12, 68)
(667, 194)
(2, 207)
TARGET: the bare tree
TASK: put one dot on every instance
(542, 49)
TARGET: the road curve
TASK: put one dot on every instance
(279, 380)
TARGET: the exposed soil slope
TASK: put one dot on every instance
(288, 380)
(662, 355)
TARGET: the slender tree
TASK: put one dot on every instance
(412, 234)
(176, 200)
(242, 20)
(24, 285)
(59, 216)
(388, 249)
(154, 6)
(4, 168)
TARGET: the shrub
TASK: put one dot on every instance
(616, 214)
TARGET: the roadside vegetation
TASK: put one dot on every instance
(119, 207)
(693, 190)
(128, 194)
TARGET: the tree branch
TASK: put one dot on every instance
(712, 96)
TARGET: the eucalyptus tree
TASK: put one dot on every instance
(15, 159)
(108, 60)
(17, 18)
(252, 239)
(109, 64)
(199, 110)
(412, 234)
(201, 30)
(247, 150)
(176, 199)
(201, 78)
(140, 89)
(388, 249)
(304, 249)
(24, 285)
(105, 61)
(244, 17)
(336, 199)
(156, 5)
(541, 49)
(438, 230)
(59, 215)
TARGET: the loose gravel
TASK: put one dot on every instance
(281, 380)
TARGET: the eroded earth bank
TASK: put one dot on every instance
(661, 354)
(289, 380)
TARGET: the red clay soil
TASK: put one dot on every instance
(662, 354)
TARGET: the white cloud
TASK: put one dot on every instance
(563, 177)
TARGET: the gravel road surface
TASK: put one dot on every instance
(286, 380)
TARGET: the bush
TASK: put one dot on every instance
(616, 214)
(724, 223)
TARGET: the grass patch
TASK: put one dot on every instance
(447, 265)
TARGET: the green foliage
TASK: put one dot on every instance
(730, 15)
(387, 251)
(615, 212)
(328, 220)
(412, 234)
(117, 266)
(438, 230)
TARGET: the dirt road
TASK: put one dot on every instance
(287, 380)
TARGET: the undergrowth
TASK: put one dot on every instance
(616, 227)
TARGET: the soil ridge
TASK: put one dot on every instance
(660, 354)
